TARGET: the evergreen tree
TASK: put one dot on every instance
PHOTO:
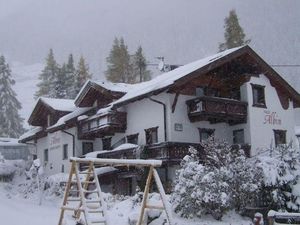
(60, 83)
(119, 68)
(140, 66)
(47, 77)
(70, 78)
(10, 120)
(234, 34)
(81, 76)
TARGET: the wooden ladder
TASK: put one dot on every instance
(88, 201)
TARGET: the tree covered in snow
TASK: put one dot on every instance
(46, 85)
(281, 180)
(234, 34)
(139, 66)
(214, 184)
(10, 120)
(82, 74)
(70, 78)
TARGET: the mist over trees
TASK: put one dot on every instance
(234, 34)
(10, 120)
(125, 68)
(63, 81)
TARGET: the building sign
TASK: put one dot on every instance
(178, 127)
(271, 118)
(54, 140)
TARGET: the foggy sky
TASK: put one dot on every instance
(179, 30)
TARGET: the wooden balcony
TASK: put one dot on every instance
(130, 153)
(103, 125)
(217, 110)
(169, 152)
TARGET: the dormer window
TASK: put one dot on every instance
(258, 92)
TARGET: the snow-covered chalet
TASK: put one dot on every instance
(234, 95)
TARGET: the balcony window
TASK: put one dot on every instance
(106, 143)
(199, 91)
(133, 139)
(205, 133)
(280, 137)
(87, 147)
(238, 137)
(258, 92)
(151, 135)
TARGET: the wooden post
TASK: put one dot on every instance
(67, 192)
(145, 196)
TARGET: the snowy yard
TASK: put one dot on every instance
(16, 210)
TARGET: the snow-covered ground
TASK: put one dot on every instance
(16, 210)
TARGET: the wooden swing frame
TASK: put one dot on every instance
(152, 175)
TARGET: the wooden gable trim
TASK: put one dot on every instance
(175, 102)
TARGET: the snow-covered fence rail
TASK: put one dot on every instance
(283, 218)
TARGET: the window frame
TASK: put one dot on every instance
(85, 143)
(208, 131)
(106, 143)
(46, 155)
(65, 151)
(134, 137)
(149, 135)
(279, 132)
(234, 141)
(257, 103)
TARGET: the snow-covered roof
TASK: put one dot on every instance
(62, 121)
(9, 142)
(30, 133)
(167, 79)
(117, 87)
(104, 170)
(59, 104)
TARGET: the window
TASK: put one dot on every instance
(46, 155)
(151, 135)
(238, 137)
(280, 137)
(205, 133)
(87, 147)
(62, 168)
(65, 151)
(199, 91)
(106, 143)
(133, 139)
(258, 92)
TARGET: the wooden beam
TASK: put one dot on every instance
(175, 102)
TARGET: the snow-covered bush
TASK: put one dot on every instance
(281, 178)
(222, 180)
(8, 168)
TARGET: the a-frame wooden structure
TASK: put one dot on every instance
(88, 199)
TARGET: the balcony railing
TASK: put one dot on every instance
(216, 110)
(169, 151)
(106, 124)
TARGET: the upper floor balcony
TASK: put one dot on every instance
(217, 110)
(103, 125)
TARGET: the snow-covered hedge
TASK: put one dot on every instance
(8, 168)
(225, 181)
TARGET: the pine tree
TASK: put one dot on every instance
(60, 83)
(47, 77)
(70, 78)
(119, 68)
(140, 66)
(10, 120)
(234, 34)
(82, 75)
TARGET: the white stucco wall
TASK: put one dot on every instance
(262, 134)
